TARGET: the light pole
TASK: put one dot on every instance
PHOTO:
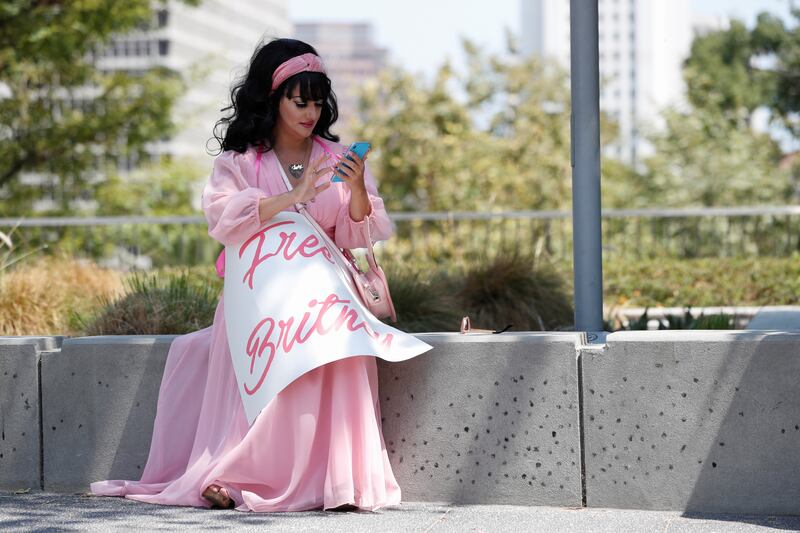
(585, 136)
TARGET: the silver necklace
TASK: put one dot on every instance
(296, 169)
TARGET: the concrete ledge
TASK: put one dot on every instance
(99, 399)
(20, 444)
(489, 419)
(671, 420)
(694, 420)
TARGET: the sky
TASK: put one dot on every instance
(421, 34)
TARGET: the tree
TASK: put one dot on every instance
(169, 187)
(59, 114)
(738, 70)
(454, 144)
(709, 155)
(702, 158)
(493, 138)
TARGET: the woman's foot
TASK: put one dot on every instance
(219, 497)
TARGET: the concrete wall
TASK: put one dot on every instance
(694, 420)
(486, 419)
(98, 405)
(20, 444)
(683, 420)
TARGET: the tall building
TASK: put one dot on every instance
(351, 58)
(210, 45)
(643, 44)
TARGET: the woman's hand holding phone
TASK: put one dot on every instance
(351, 168)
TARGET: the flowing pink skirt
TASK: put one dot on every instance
(318, 444)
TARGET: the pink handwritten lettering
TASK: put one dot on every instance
(290, 335)
(309, 247)
(256, 347)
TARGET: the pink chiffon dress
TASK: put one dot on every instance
(318, 443)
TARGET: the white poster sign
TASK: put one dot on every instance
(288, 310)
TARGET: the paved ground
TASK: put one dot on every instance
(71, 512)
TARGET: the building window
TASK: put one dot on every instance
(163, 17)
(163, 47)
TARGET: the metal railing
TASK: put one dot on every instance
(450, 236)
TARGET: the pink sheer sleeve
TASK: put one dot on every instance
(352, 234)
(230, 202)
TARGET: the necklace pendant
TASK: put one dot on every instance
(296, 170)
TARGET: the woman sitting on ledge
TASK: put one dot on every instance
(318, 444)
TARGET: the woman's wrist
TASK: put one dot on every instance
(359, 188)
(359, 204)
(268, 207)
(359, 194)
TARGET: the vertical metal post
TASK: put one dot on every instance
(585, 135)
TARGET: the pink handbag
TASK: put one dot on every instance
(371, 286)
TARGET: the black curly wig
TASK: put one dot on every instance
(254, 111)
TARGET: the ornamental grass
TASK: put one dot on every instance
(155, 304)
(516, 290)
(423, 298)
(46, 295)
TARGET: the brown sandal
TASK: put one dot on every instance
(218, 497)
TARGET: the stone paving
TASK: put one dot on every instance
(38, 511)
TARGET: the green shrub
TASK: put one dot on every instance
(702, 282)
(516, 289)
(156, 305)
(424, 300)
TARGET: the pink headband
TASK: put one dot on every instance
(304, 63)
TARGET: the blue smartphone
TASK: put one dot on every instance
(358, 148)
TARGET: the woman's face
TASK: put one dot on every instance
(298, 117)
